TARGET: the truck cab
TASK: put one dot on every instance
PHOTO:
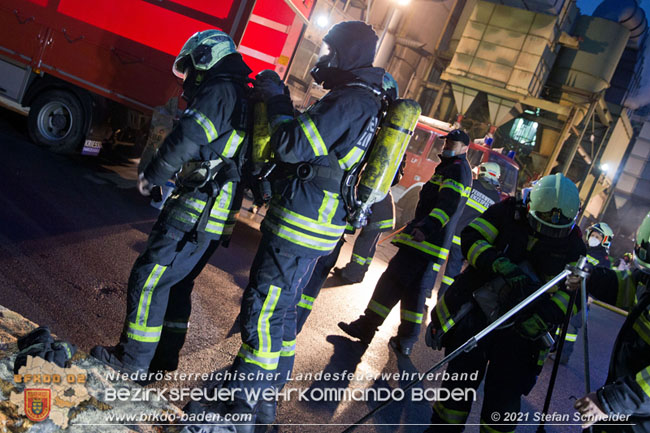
(422, 159)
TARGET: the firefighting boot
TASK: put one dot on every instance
(399, 347)
(114, 356)
(363, 329)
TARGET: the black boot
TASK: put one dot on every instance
(360, 329)
(399, 348)
(113, 356)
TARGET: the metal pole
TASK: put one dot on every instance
(564, 135)
(556, 364)
(588, 197)
(472, 342)
(574, 147)
(585, 335)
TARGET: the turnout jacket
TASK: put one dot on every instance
(307, 216)
(481, 197)
(441, 202)
(211, 128)
(598, 256)
(627, 390)
(503, 230)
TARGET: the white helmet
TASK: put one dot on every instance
(605, 231)
(490, 171)
(553, 206)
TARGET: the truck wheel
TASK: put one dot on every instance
(56, 120)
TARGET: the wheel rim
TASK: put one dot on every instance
(55, 121)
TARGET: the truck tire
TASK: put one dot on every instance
(56, 120)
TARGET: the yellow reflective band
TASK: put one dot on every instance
(571, 337)
(476, 205)
(447, 280)
(328, 207)
(643, 379)
(288, 348)
(436, 267)
(476, 250)
(232, 145)
(468, 190)
(450, 416)
(642, 327)
(425, 247)
(436, 179)
(456, 186)
(306, 302)
(485, 228)
(456, 240)
(147, 292)
(592, 260)
(266, 360)
(264, 321)
(485, 428)
(298, 238)
(312, 134)
(377, 308)
(444, 317)
(143, 333)
(352, 157)
(204, 122)
(356, 258)
(440, 215)
(325, 228)
(411, 316)
(562, 300)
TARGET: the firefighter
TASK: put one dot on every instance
(306, 217)
(515, 244)
(627, 388)
(423, 246)
(485, 192)
(599, 237)
(380, 218)
(197, 218)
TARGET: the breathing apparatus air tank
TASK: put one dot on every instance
(385, 157)
(261, 147)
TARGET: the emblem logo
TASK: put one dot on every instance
(37, 404)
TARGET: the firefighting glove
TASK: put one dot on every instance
(516, 279)
(432, 337)
(532, 327)
(38, 335)
(58, 352)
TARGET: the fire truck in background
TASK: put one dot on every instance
(422, 158)
(93, 72)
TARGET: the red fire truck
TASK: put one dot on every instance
(422, 159)
(93, 70)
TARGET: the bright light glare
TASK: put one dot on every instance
(322, 21)
(604, 168)
(403, 2)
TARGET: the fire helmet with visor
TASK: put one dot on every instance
(490, 171)
(605, 232)
(553, 205)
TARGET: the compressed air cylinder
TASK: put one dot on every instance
(261, 151)
(385, 155)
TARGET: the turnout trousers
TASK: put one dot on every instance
(159, 296)
(268, 320)
(453, 268)
(311, 290)
(408, 277)
(509, 364)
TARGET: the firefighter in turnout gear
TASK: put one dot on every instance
(201, 212)
(306, 216)
(380, 220)
(423, 246)
(627, 388)
(512, 249)
(599, 238)
(485, 192)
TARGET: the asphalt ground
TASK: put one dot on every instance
(72, 226)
